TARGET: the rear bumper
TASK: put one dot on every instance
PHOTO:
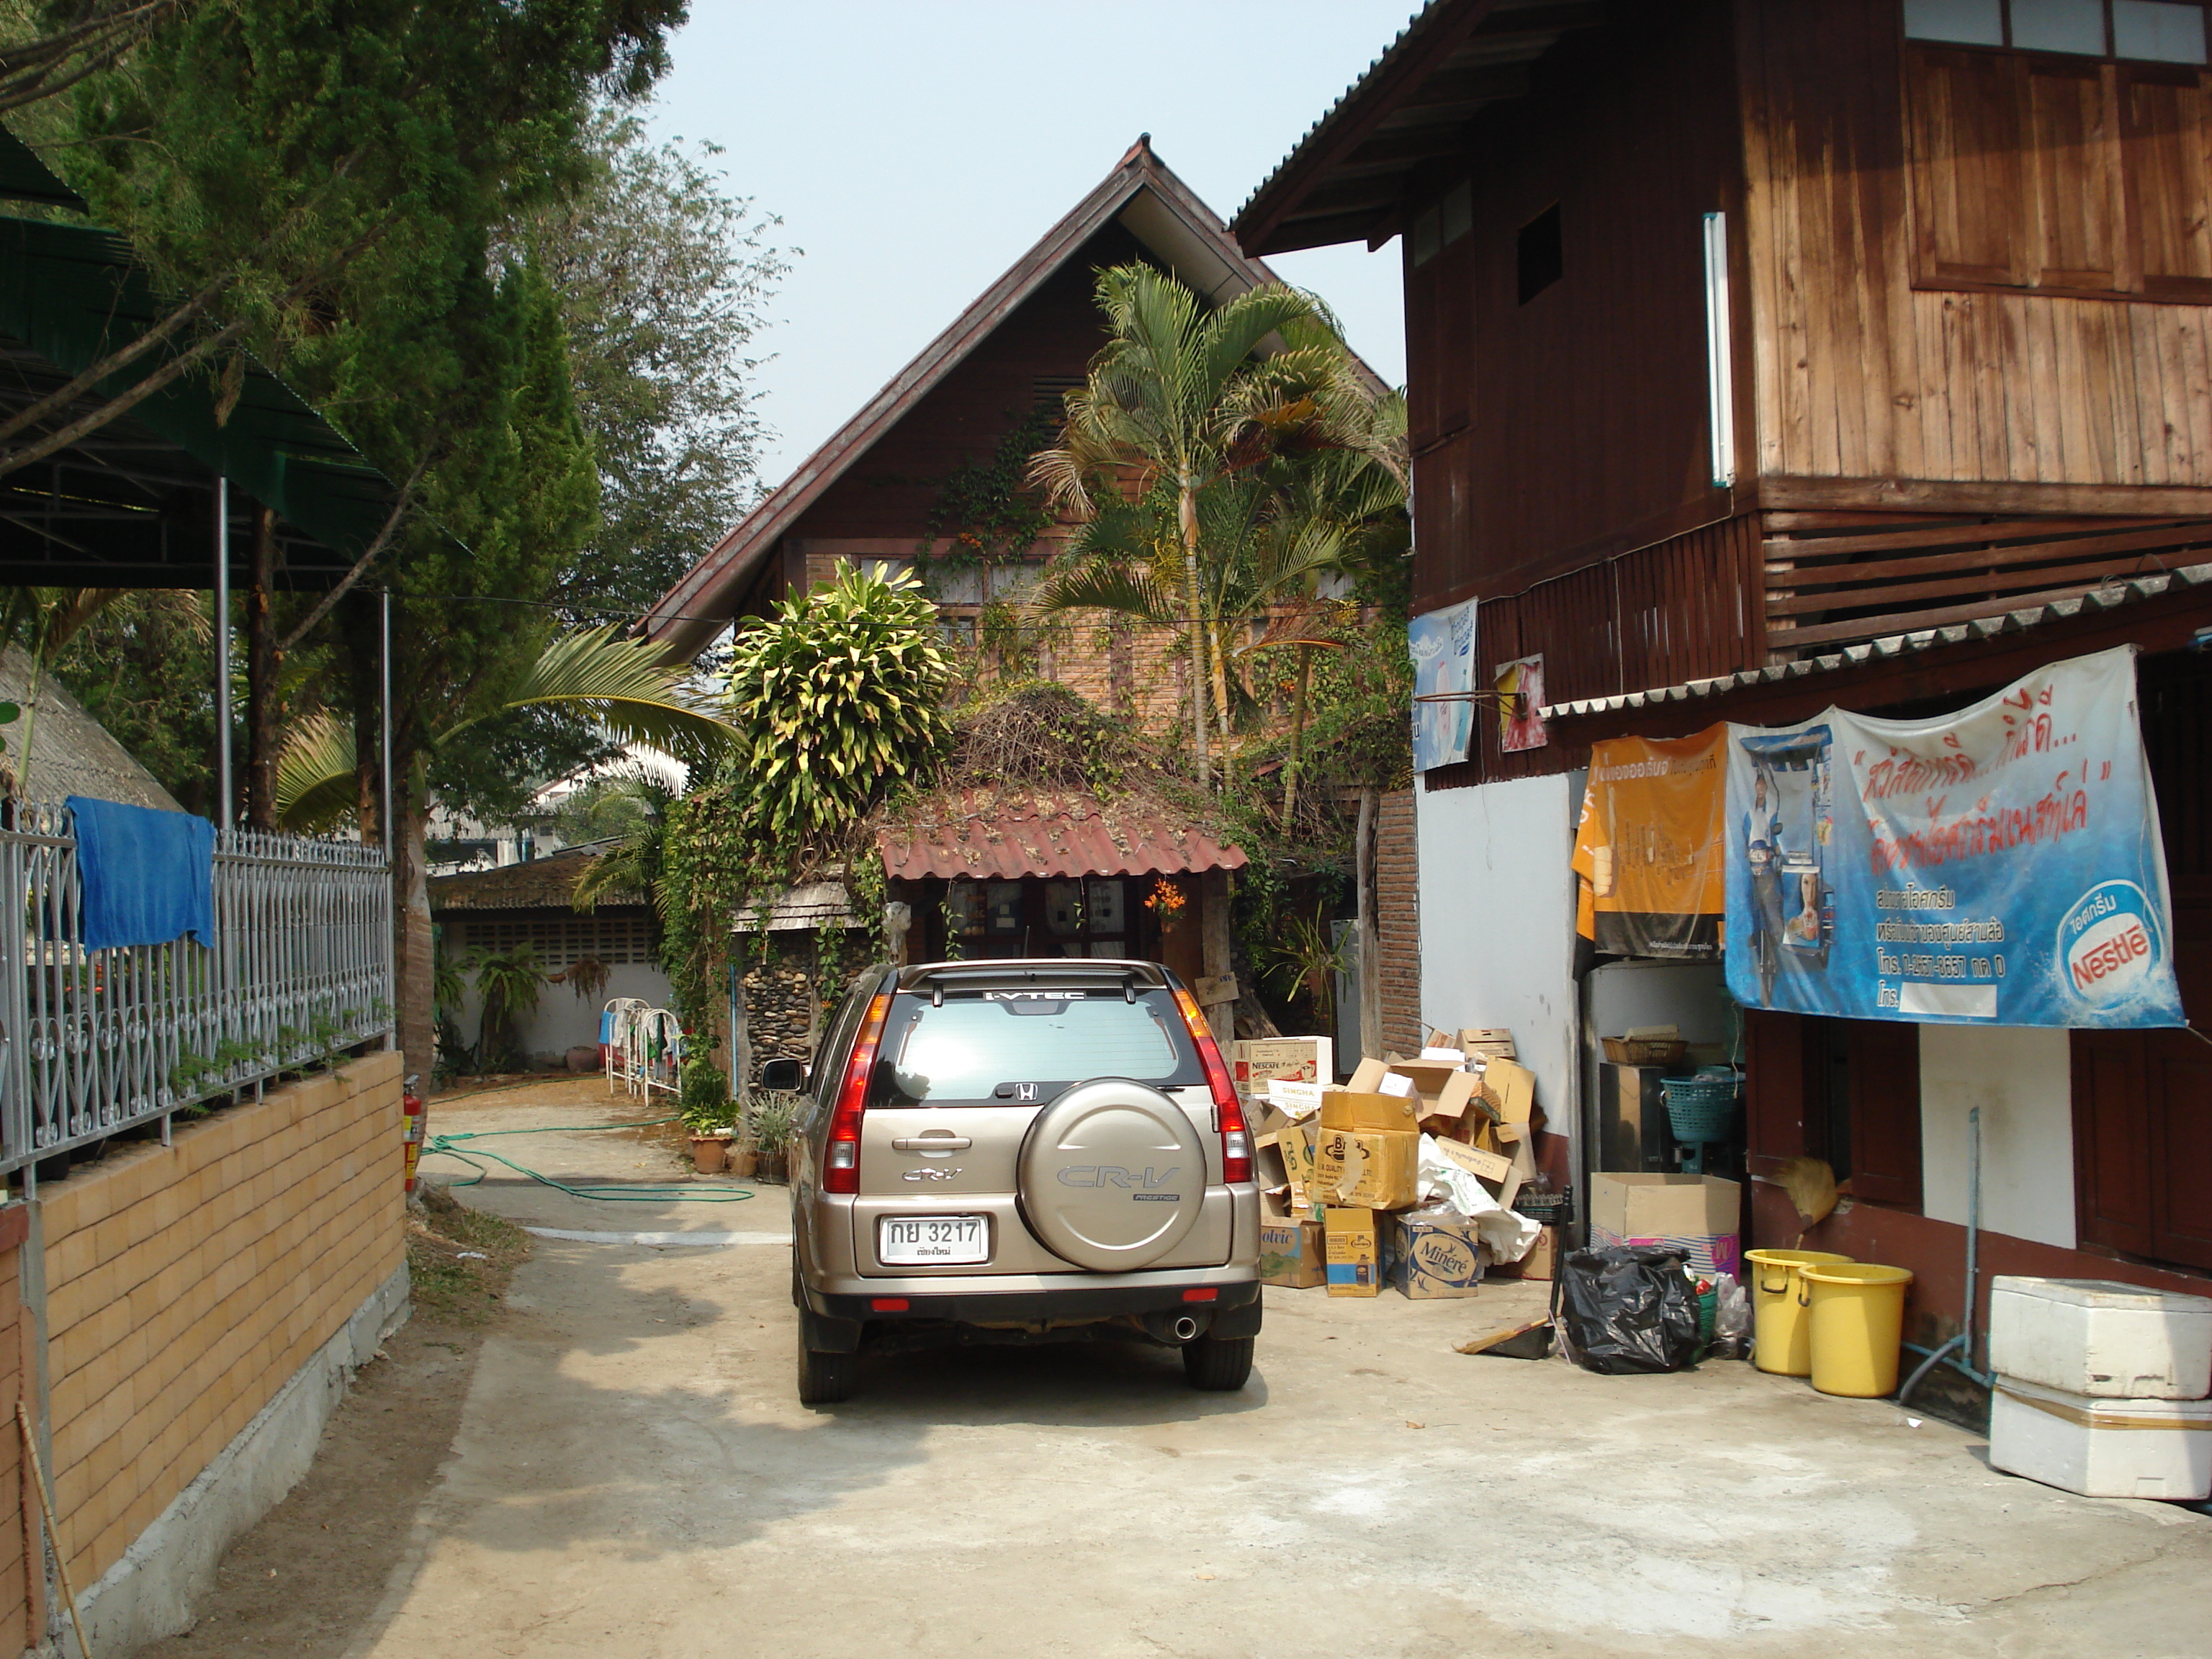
(836, 1323)
(1070, 1306)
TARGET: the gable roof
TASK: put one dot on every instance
(1347, 179)
(1148, 201)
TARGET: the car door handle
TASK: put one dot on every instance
(932, 1144)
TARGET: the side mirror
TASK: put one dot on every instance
(784, 1076)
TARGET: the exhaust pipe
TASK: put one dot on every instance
(1173, 1329)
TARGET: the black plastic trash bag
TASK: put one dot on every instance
(1626, 1309)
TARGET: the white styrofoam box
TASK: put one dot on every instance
(2093, 1336)
(2102, 1447)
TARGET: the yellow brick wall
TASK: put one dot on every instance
(186, 1283)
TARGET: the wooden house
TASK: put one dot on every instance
(1771, 354)
(1011, 874)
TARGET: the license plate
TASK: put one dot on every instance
(929, 1241)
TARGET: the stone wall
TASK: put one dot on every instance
(1398, 923)
(776, 1008)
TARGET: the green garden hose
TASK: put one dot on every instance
(647, 1194)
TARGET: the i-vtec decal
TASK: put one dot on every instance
(1034, 996)
(1113, 1175)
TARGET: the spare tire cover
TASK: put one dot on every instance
(1112, 1175)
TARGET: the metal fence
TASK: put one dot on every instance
(92, 1042)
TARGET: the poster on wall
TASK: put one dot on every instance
(2001, 866)
(1519, 688)
(1441, 645)
(1650, 868)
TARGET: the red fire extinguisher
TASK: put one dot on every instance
(411, 1122)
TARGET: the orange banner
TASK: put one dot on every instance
(1649, 857)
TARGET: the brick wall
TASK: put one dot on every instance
(1398, 922)
(20, 1591)
(187, 1284)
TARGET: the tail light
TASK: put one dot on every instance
(840, 1160)
(1228, 1110)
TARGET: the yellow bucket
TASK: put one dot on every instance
(1858, 1320)
(1783, 1337)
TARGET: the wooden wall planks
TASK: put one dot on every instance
(1860, 375)
(1572, 426)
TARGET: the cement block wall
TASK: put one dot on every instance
(187, 1284)
(21, 1604)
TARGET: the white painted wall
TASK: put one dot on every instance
(2022, 1078)
(1498, 921)
(561, 1020)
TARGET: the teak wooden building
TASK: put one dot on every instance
(1741, 330)
(1770, 354)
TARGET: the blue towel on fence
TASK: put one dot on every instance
(148, 876)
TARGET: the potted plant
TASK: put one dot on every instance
(709, 1115)
(773, 1122)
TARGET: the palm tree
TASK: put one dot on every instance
(634, 864)
(1177, 401)
(1333, 505)
(623, 685)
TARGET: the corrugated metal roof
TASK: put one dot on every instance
(984, 834)
(2133, 591)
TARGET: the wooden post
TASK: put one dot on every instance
(1217, 989)
(265, 662)
(1369, 928)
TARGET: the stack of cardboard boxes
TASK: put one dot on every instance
(1339, 1166)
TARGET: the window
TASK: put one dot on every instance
(2075, 158)
(1538, 258)
(1443, 222)
(2142, 31)
(972, 1046)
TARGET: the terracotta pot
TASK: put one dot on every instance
(709, 1153)
(744, 1162)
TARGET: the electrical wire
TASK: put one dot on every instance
(650, 1193)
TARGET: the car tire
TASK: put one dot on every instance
(824, 1379)
(1219, 1364)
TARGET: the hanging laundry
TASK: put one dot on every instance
(148, 876)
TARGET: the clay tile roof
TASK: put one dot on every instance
(987, 834)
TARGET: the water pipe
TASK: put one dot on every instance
(1965, 1338)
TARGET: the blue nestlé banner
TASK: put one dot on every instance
(2001, 866)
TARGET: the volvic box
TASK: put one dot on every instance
(1291, 1251)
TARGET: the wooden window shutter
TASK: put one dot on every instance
(2112, 1141)
(1967, 190)
(2074, 228)
(1774, 1084)
(2165, 139)
(2179, 1099)
(1883, 1061)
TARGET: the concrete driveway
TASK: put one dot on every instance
(633, 1480)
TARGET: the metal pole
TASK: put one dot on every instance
(222, 647)
(384, 743)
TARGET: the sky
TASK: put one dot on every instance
(916, 149)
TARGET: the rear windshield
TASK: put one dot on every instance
(1024, 1047)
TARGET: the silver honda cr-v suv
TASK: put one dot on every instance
(1024, 1151)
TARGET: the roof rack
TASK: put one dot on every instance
(1032, 970)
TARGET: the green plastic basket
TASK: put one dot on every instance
(1703, 1108)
